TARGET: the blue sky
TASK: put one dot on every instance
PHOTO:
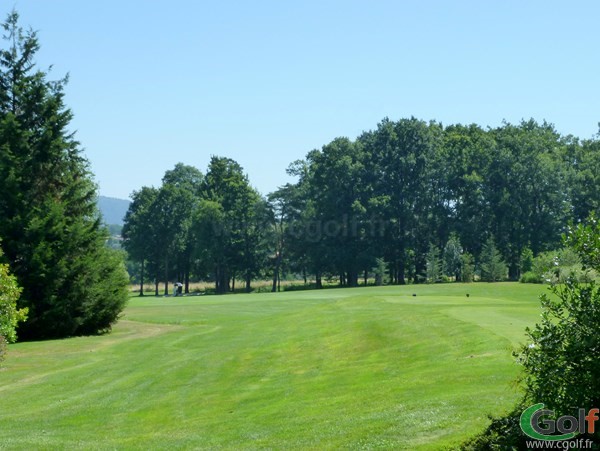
(153, 83)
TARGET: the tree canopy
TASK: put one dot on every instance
(416, 198)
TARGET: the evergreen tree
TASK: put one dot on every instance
(526, 262)
(467, 265)
(51, 229)
(434, 264)
(493, 268)
(452, 257)
(379, 270)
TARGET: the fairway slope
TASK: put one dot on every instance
(339, 368)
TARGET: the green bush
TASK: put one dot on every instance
(543, 263)
(560, 362)
(530, 277)
(10, 315)
(557, 267)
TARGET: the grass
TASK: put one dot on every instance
(367, 368)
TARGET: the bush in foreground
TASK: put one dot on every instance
(561, 366)
(10, 316)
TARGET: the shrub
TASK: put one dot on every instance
(561, 368)
(10, 316)
(557, 267)
(530, 277)
(543, 264)
(561, 363)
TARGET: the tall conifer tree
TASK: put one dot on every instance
(51, 229)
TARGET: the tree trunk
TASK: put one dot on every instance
(216, 282)
(352, 278)
(142, 279)
(248, 280)
(318, 280)
(401, 274)
(166, 276)
(275, 277)
(366, 277)
(187, 281)
(276, 283)
(221, 280)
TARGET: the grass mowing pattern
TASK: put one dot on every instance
(346, 368)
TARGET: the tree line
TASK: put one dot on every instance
(409, 201)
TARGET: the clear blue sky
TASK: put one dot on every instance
(157, 82)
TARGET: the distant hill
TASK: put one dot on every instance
(113, 210)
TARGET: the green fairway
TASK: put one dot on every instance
(355, 368)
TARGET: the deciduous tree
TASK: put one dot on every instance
(10, 315)
(137, 224)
